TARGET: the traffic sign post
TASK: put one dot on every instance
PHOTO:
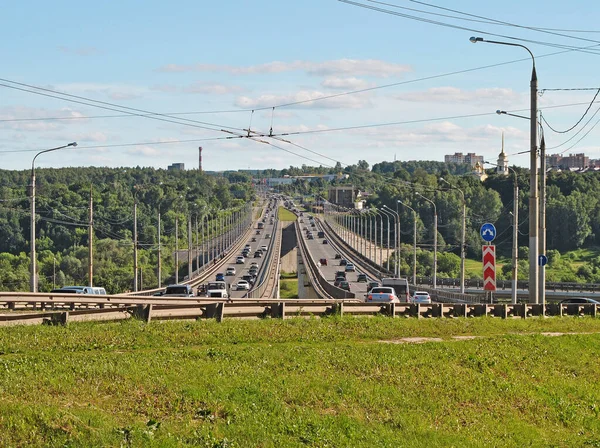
(542, 260)
(489, 268)
(488, 232)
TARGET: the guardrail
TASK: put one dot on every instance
(507, 284)
(220, 310)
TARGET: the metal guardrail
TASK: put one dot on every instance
(301, 308)
(507, 284)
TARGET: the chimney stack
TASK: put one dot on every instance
(200, 159)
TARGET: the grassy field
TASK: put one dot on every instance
(336, 382)
(288, 285)
(285, 215)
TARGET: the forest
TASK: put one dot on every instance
(63, 202)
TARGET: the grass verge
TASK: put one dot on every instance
(301, 382)
(285, 215)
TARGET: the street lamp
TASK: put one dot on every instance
(414, 241)
(434, 238)
(542, 211)
(533, 188)
(462, 239)
(33, 280)
(397, 237)
(388, 215)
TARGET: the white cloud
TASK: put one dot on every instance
(31, 119)
(305, 99)
(455, 95)
(352, 83)
(117, 92)
(214, 89)
(145, 151)
(366, 67)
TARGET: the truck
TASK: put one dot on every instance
(217, 289)
(400, 286)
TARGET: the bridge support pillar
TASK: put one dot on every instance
(143, 312)
(215, 311)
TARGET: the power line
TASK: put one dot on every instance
(578, 121)
(447, 25)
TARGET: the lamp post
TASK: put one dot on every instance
(533, 187)
(397, 237)
(515, 245)
(434, 239)
(388, 215)
(33, 280)
(463, 235)
(381, 215)
(414, 241)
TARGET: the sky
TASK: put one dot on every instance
(313, 82)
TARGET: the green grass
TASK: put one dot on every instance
(317, 382)
(288, 288)
(285, 215)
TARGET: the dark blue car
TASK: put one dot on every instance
(220, 277)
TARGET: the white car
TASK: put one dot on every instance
(230, 271)
(421, 297)
(240, 260)
(263, 248)
(253, 264)
(242, 285)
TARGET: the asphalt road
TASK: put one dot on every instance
(242, 269)
(319, 250)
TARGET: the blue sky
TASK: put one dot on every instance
(215, 62)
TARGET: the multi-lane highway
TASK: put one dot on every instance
(259, 238)
(327, 251)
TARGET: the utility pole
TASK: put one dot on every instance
(515, 248)
(190, 248)
(159, 252)
(542, 227)
(91, 241)
(135, 243)
(176, 250)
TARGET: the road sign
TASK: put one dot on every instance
(542, 260)
(488, 232)
(489, 267)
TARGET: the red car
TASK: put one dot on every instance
(323, 261)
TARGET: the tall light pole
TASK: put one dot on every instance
(397, 236)
(434, 238)
(33, 283)
(414, 241)
(388, 215)
(533, 187)
(463, 244)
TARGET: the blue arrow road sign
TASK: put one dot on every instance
(542, 260)
(488, 232)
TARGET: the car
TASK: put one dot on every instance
(258, 232)
(253, 240)
(310, 236)
(254, 264)
(350, 267)
(242, 285)
(258, 254)
(240, 260)
(344, 285)
(249, 278)
(230, 271)
(343, 262)
(323, 261)
(579, 301)
(321, 234)
(247, 246)
(385, 294)
(372, 284)
(179, 291)
(263, 248)
(268, 235)
(74, 290)
(220, 277)
(340, 274)
(339, 280)
(324, 241)
(362, 278)
(253, 271)
(421, 297)
(338, 256)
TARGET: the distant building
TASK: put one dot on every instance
(479, 172)
(344, 196)
(458, 157)
(572, 161)
(176, 167)
(288, 180)
(502, 165)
